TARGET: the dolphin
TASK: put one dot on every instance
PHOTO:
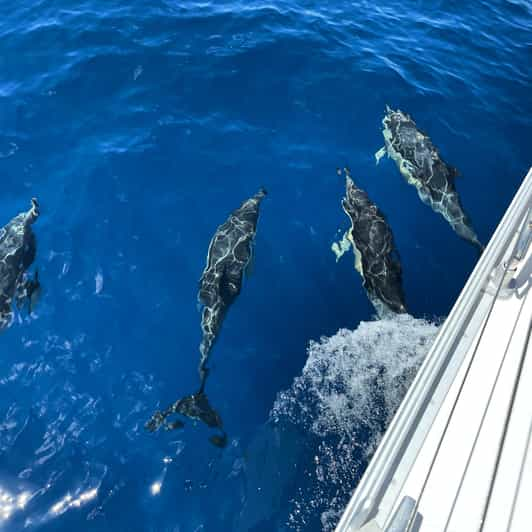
(229, 256)
(18, 248)
(420, 164)
(376, 258)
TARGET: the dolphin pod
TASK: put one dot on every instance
(229, 255)
(18, 247)
(376, 258)
(370, 236)
(420, 164)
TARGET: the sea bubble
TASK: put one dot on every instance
(346, 395)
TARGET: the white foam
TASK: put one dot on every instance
(346, 395)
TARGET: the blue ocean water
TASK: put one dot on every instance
(139, 126)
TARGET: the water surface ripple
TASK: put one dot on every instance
(140, 126)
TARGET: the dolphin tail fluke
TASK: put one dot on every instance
(195, 406)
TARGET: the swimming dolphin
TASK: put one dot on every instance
(376, 258)
(420, 164)
(229, 255)
(18, 247)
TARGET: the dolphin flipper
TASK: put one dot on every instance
(380, 154)
(342, 246)
(28, 291)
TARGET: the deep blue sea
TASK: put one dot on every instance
(140, 126)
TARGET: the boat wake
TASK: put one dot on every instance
(345, 397)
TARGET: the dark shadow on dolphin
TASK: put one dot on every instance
(230, 254)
